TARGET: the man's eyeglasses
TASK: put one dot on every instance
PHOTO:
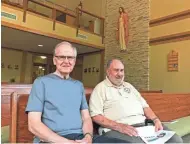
(62, 58)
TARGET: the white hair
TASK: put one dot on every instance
(65, 43)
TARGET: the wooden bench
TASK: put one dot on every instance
(8, 89)
(169, 106)
(166, 106)
(6, 116)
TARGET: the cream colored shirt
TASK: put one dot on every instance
(122, 104)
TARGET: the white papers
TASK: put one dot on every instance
(149, 136)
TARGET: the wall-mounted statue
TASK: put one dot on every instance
(122, 29)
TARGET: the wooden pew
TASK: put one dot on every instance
(13, 104)
(19, 132)
(166, 106)
(8, 89)
(169, 106)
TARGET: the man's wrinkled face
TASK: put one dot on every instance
(64, 59)
(115, 72)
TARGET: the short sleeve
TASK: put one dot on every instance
(140, 98)
(36, 97)
(84, 104)
(96, 105)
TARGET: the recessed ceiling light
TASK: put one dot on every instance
(40, 67)
(40, 45)
(43, 57)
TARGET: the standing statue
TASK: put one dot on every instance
(122, 29)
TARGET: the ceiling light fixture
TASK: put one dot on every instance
(40, 45)
(43, 57)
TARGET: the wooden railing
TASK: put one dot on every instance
(61, 14)
(80, 13)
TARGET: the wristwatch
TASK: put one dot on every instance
(89, 135)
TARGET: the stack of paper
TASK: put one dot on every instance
(149, 136)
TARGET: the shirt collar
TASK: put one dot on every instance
(109, 83)
(61, 76)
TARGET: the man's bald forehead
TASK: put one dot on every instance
(64, 44)
(114, 62)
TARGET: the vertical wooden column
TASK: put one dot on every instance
(54, 17)
(25, 6)
(78, 25)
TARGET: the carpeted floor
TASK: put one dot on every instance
(186, 138)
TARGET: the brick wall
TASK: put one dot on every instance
(136, 58)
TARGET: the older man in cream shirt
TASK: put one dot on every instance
(119, 108)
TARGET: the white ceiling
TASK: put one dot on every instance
(22, 40)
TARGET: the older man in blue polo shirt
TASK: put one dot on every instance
(57, 108)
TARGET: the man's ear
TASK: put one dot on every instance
(107, 72)
(54, 61)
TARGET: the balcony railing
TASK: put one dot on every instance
(78, 18)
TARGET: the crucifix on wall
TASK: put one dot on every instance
(80, 6)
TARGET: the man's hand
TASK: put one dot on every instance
(158, 125)
(127, 129)
(86, 140)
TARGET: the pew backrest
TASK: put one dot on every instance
(166, 106)
(6, 91)
(169, 106)
(19, 132)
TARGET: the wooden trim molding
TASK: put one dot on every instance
(36, 53)
(11, 5)
(19, 27)
(90, 53)
(170, 18)
(79, 28)
(13, 125)
(170, 38)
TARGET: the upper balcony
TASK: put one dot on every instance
(48, 19)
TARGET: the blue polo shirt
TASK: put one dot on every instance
(60, 102)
